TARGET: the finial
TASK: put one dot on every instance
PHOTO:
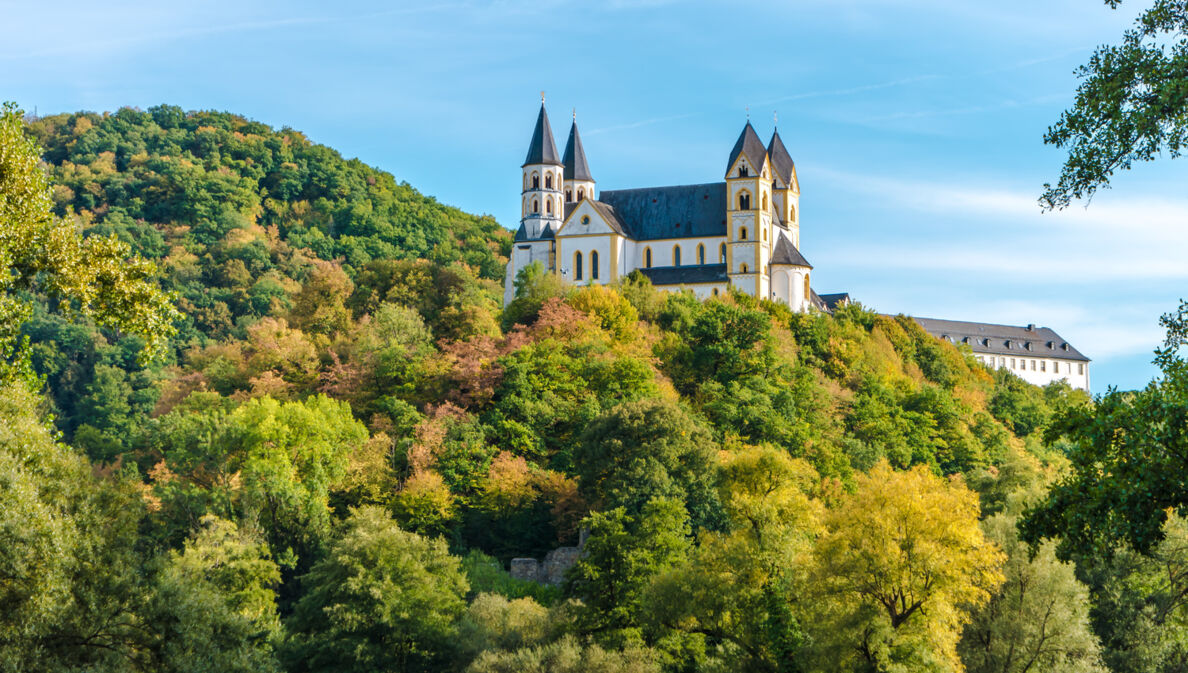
(775, 117)
(575, 114)
(748, 109)
(542, 98)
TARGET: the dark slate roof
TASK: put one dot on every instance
(836, 299)
(542, 149)
(786, 253)
(684, 275)
(522, 233)
(750, 145)
(683, 211)
(781, 161)
(1030, 341)
(576, 167)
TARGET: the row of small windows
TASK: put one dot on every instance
(577, 265)
(1021, 364)
(744, 201)
(548, 206)
(1006, 343)
(676, 255)
(535, 179)
(569, 194)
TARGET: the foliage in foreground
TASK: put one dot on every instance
(332, 469)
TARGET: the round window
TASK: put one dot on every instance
(585, 219)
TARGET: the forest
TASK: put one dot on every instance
(264, 411)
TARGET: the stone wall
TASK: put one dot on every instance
(552, 569)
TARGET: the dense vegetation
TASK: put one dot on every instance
(348, 438)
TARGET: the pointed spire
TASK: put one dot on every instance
(576, 167)
(750, 145)
(542, 149)
(781, 161)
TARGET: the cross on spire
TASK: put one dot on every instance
(775, 117)
(748, 109)
(542, 97)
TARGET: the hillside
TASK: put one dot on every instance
(351, 438)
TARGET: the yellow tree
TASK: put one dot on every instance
(902, 564)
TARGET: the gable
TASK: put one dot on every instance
(585, 219)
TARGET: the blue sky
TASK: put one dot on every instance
(916, 125)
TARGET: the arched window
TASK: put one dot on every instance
(568, 195)
(744, 201)
(549, 181)
(715, 291)
(700, 253)
(722, 254)
(807, 292)
(535, 181)
(647, 258)
(765, 234)
(577, 266)
(676, 255)
(535, 206)
(743, 171)
(594, 264)
(792, 212)
(765, 202)
(743, 268)
(549, 206)
(581, 193)
(742, 234)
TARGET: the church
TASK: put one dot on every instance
(742, 232)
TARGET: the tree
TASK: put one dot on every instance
(639, 451)
(621, 557)
(1038, 621)
(1129, 458)
(382, 600)
(740, 589)
(567, 655)
(95, 277)
(1132, 105)
(901, 565)
(214, 604)
(265, 461)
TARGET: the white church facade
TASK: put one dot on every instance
(742, 232)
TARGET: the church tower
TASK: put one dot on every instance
(579, 184)
(749, 231)
(785, 187)
(542, 207)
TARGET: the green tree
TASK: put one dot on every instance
(741, 589)
(567, 655)
(639, 451)
(1131, 105)
(1038, 620)
(621, 557)
(214, 604)
(533, 286)
(381, 600)
(1128, 462)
